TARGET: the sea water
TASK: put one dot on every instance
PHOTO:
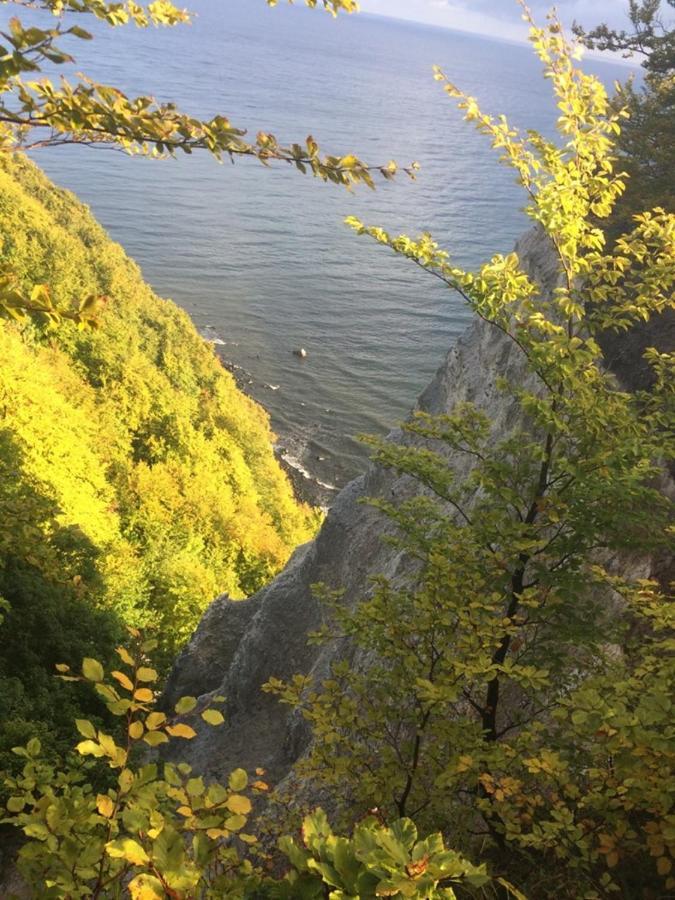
(260, 258)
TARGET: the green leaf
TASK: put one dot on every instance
(146, 674)
(80, 33)
(195, 787)
(238, 780)
(155, 738)
(236, 822)
(85, 728)
(107, 692)
(216, 794)
(127, 849)
(185, 705)
(92, 669)
(37, 830)
(405, 831)
(315, 829)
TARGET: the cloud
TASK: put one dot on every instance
(498, 18)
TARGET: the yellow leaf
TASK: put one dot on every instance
(119, 758)
(108, 744)
(215, 833)
(123, 679)
(105, 805)
(136, 730)
(464, 763)
(238, 804)
(348, 161)
(663, 865)
(181, 730)
(125, 780)
(89, 748)
(143, 695)
(125, 656)
(154, 720)
(146, 887)
(128, 849)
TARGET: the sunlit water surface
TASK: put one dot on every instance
(259, 257)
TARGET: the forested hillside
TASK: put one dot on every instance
(136, 481)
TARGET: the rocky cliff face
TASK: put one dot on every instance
(239, 645)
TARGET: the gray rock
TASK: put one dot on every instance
(239, 645)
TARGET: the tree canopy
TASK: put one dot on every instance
(647, 140)
(513, 695)
(515, 688)
(138, 482)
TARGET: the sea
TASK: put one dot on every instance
(260, 257)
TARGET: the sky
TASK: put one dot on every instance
(498, 18)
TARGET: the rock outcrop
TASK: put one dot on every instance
(239, 645)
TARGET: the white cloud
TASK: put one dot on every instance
(498, 18)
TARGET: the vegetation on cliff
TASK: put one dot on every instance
(163, 832)
(517, 690)
(517, 694)
(137, 482)
(647, 141)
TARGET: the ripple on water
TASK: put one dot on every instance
(260, 258)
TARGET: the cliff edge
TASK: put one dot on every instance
(239, 645)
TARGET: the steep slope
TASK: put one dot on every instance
(136, 481)
(238, 647)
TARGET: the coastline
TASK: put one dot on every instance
(307, 487)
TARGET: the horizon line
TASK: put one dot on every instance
(626, 62)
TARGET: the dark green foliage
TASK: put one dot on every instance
(46, 619)
(647, 142)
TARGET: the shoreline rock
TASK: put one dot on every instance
(306, 487)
